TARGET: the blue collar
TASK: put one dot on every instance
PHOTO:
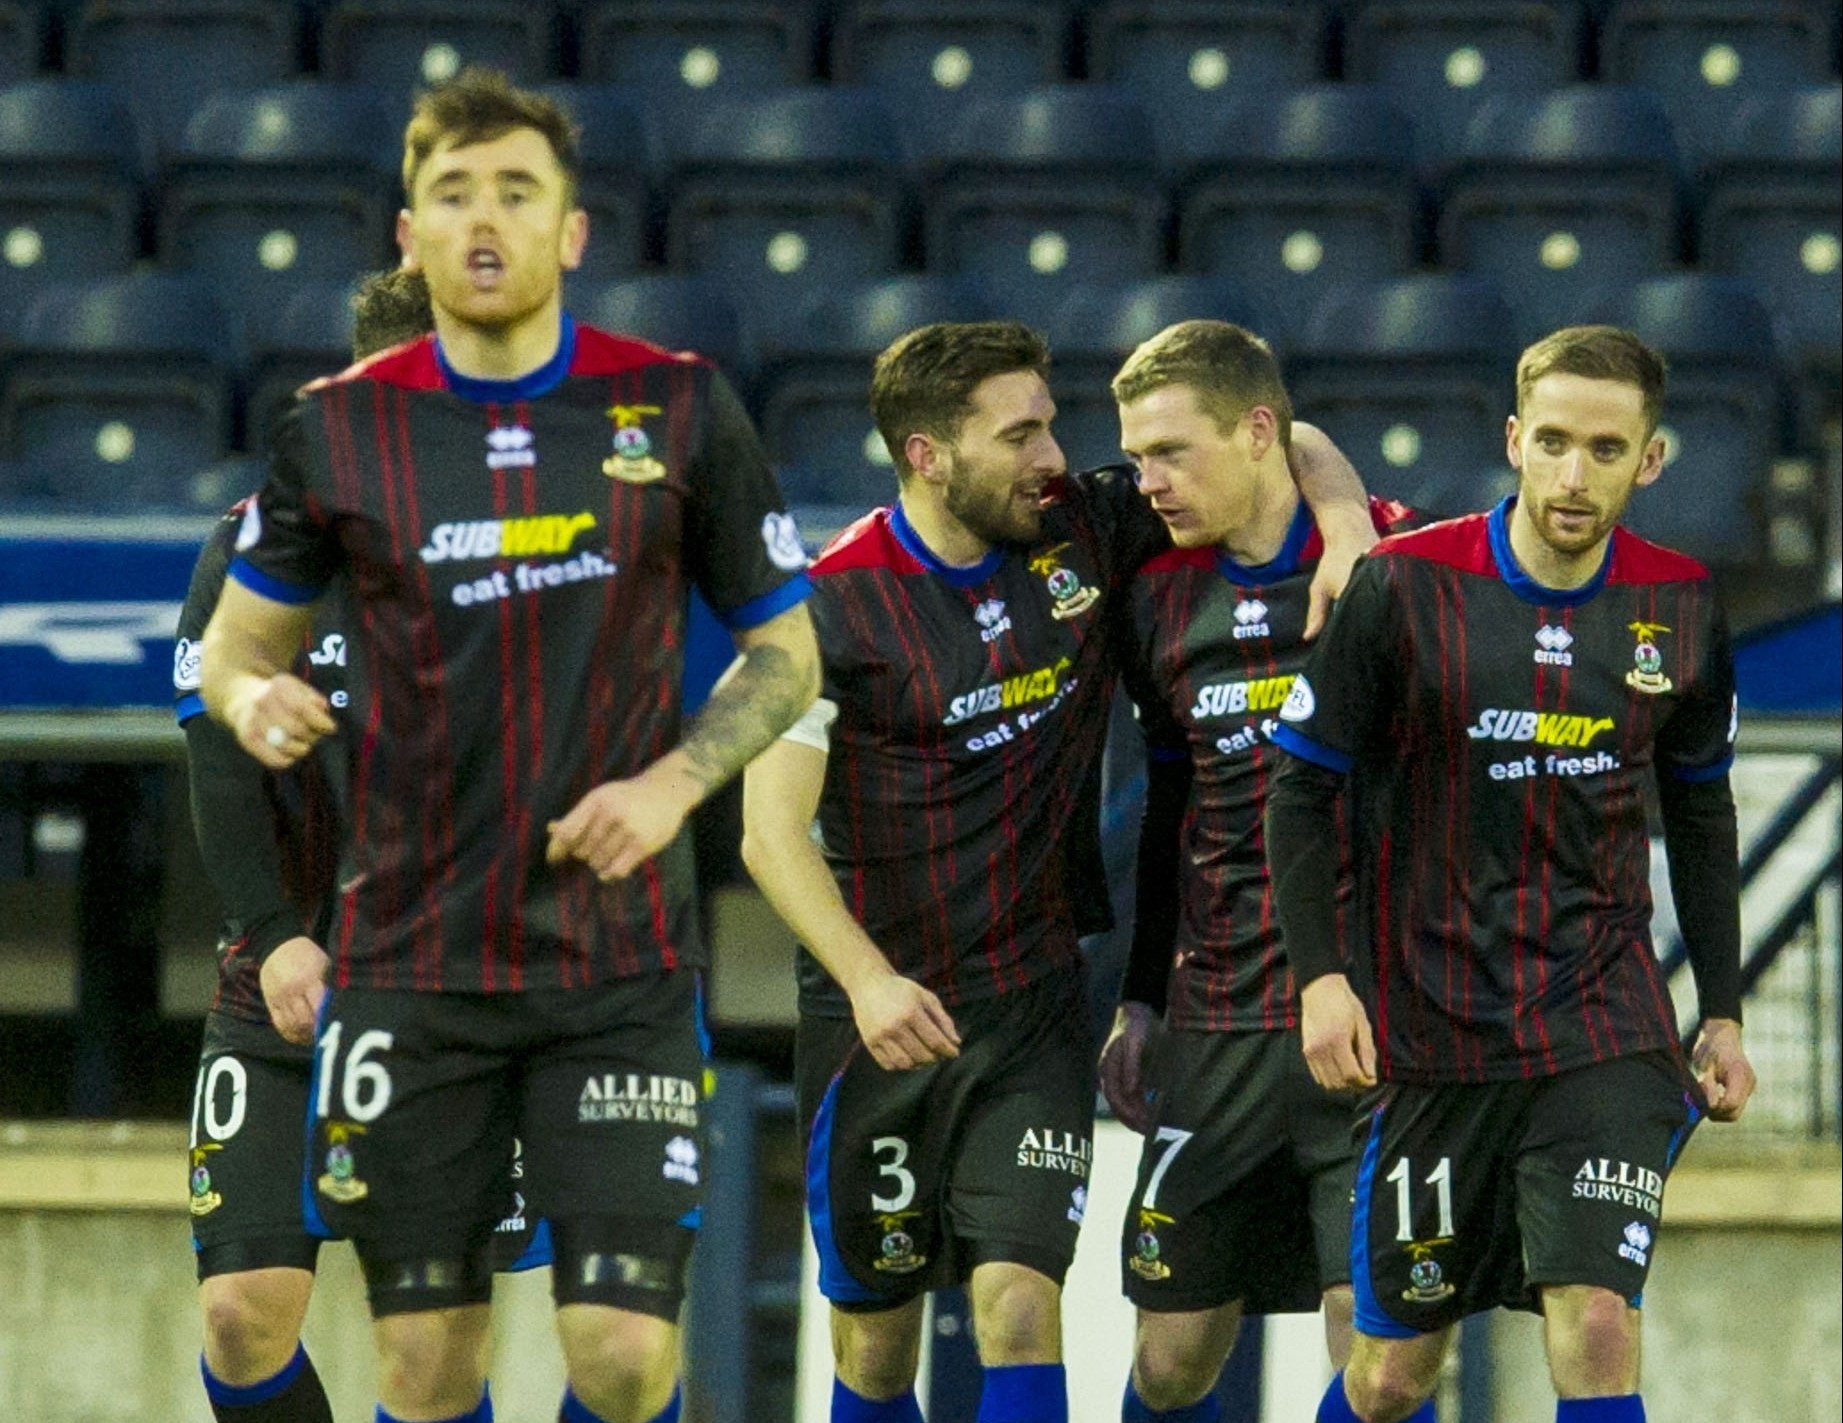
(968, 577)
(1520, 583)
(529, 386)
(1283, 564)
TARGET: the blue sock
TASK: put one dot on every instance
(481, 1413)
(848, 1407)
(293, 1394)
(1627, 1408)
(1335, 1407)
(1024, 1393)
(1207, 1409)
(574, 1410)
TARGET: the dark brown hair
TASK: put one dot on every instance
(477, 106)
(388, 308)
(1598, 353)
(1231, 369)
(924, 381)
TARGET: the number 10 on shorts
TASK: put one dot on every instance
(364, 1085)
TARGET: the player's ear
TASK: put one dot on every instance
(1263, 431)
(575, 238)
(1651, 463)
(1511, 450)
(924, 457)
(406, 243)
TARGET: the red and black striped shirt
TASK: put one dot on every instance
(1499, 734)
(517, 558)
(959, 812)
(1214, 648)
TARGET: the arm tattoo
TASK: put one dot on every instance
(760, 700)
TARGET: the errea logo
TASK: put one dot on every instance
(1251, 619)
(1637, 1244)
(681, 1162)
(509, 447)
(990, 615)
(1552, 644)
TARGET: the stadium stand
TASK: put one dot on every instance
(619, 154)
(21, 39)
(679, 312)
(291, 338)
(1315, 187)
(1562, 198)
(701, 48)
(399, 44)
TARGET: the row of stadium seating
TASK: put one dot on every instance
(124, 394)
(1562, 197)
(1446, 56)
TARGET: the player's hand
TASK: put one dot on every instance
(1344, 545)
(278, 719)
(903, 1024)
(293, 986)
(1722, 1069)
(1123, 1064)
(620, 825)
(1334, 1031)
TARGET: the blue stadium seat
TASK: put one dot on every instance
(784, 194)
(300, 333)
(1770, 214)
(815, 416)
(931, 58)
(1186, 59)
(1721, 414)
(22, 29)
(1562, 198)
(695, 48)
(167, 55)
(400, 45)
(1444, 59)
(1705, 58)
(681, 313)
(274, 186)
(1060, 185)
(1413, 378)
(618, 153)
(121, 387)
(69, 187)
(1315, 187)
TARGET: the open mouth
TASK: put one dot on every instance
(485, 266)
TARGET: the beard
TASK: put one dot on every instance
(1579, 534)
(990, 509)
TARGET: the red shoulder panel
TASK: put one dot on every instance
(410, 365)
(868, 543)
(1463, 543)
(601, 353)
(1637, 560)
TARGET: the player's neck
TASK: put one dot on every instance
(946, 537)
(1276, 500)
(1545, 563)
(501, 352)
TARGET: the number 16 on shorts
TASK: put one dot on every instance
(352, 1089)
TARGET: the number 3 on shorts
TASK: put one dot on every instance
(905, 1182)
(364, 1090)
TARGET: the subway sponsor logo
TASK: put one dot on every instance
(1019, 691)
(1543, 728)
(505, 538)
(1263, 694)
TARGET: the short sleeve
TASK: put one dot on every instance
(744, 550)
(1339, 701)
(201, 601)
(1697, 743)
(286, 549)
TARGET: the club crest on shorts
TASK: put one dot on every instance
(632, 461)
(896, 1253)
(204, 1200)
(1426, 1283)
(1647, 674)
(1146, 1249)
(340, 1181)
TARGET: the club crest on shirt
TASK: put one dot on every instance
(340, 1181)
(1426, 1282)
(1073, 597)
(896, 1253)
(1146, 1248)
(1647, 674)
(632, 461)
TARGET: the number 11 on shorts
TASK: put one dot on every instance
(1441, 1179)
